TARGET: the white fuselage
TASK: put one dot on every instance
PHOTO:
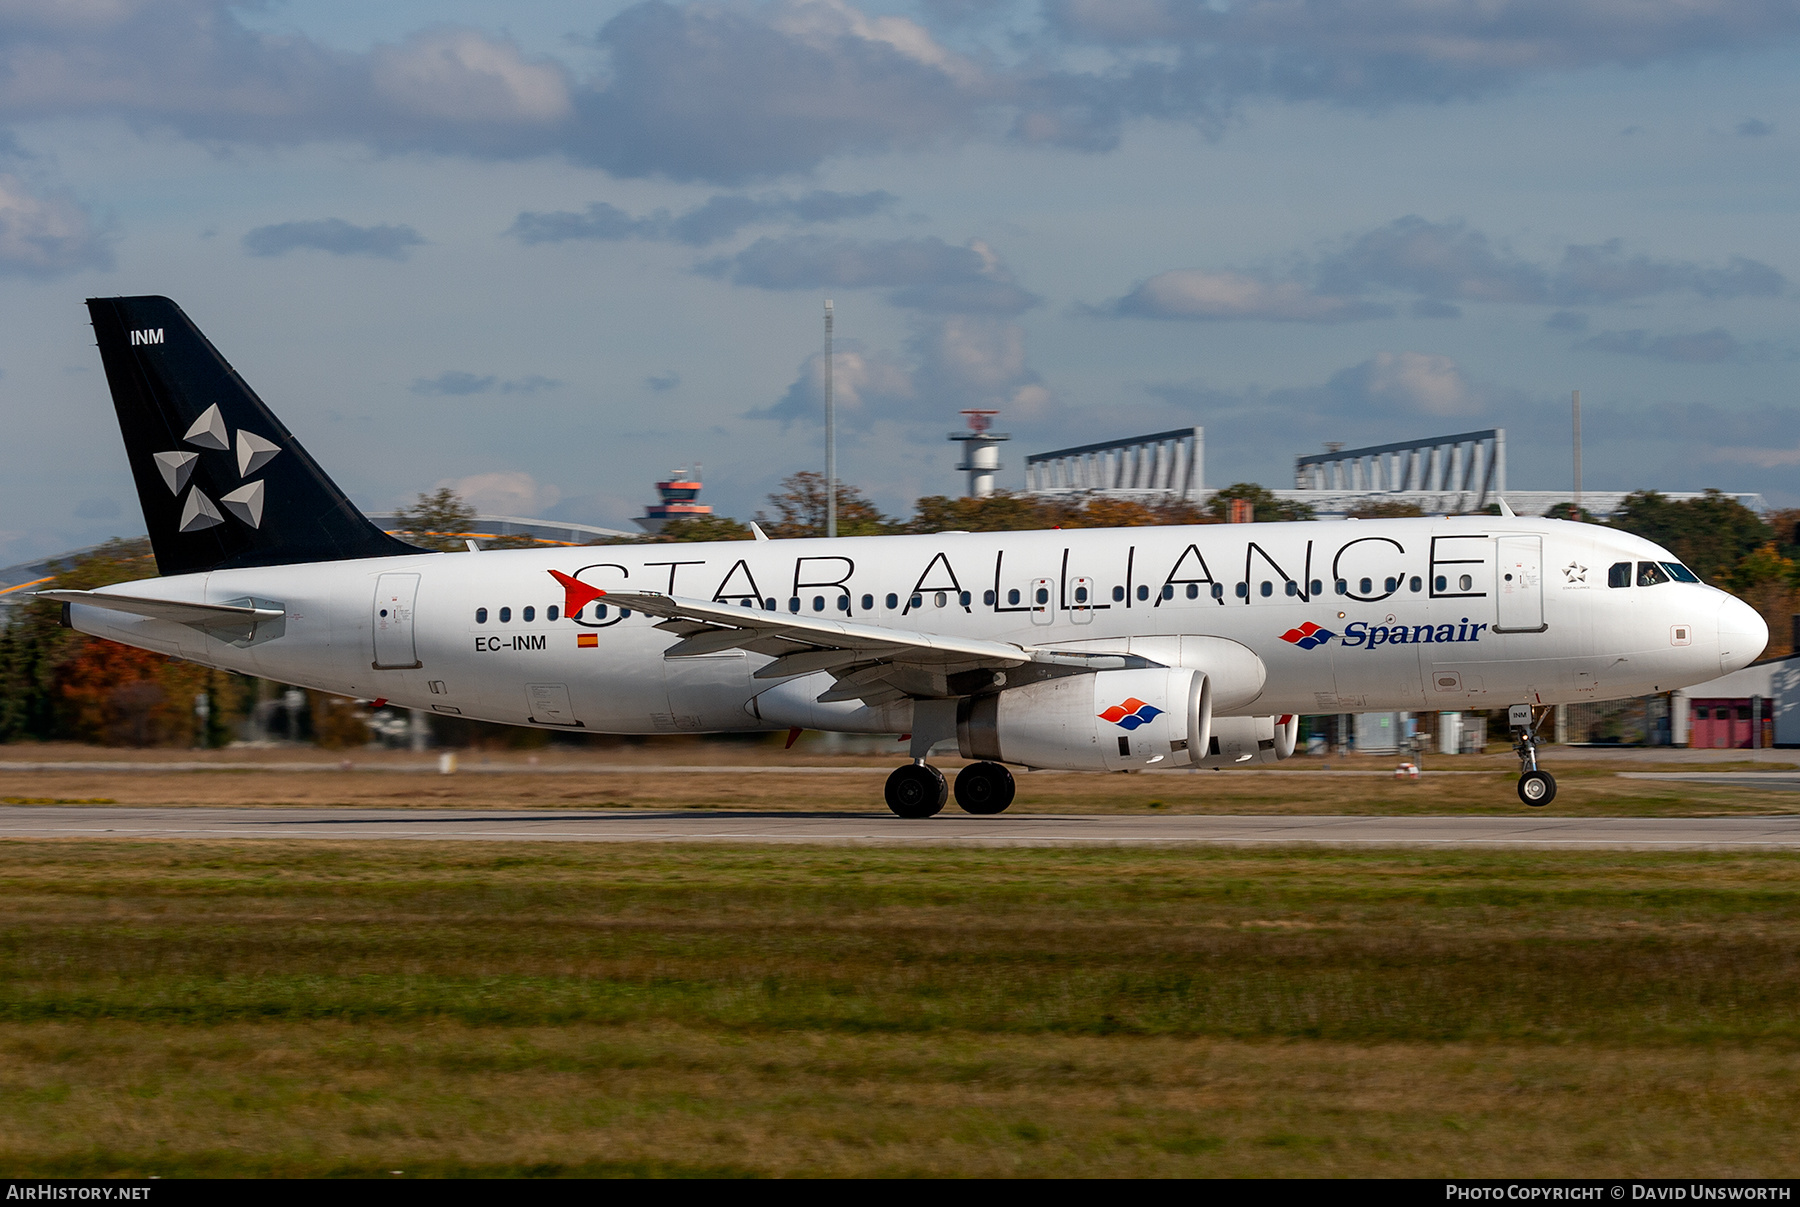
(1465, 612)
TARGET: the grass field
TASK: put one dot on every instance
(1585, 788)
(328, 1008)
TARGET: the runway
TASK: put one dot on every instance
(949, 828)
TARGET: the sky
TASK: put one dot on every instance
(546, 252)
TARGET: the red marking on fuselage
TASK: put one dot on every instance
(576, 594)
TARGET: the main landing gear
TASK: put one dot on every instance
(1536, 788)
(918, 790)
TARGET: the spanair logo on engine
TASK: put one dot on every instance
(1308, 636)
(1131, 714)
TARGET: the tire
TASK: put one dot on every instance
(915, 791)
(984, 789)
(1537, 788)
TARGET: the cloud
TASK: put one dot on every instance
(732, 93)
(1755, 127)
(1439, 264)
(97, 509)
(46, 234)
(719, 218)
(949, 364)
(1192, 293)
(924, 274)
(455, 382)
(1567, 320)
(1406, 382)
(1694, 347)
(336, 236)
(502, 493)
(663, 382)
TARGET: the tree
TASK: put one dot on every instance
(800, 509)
(1711, 534)
(1568, 511)
(1261, 499)
(704, 528)
(58, 683)
(440, 520)
(1387, 511)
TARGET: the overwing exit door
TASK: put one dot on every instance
(1520, 589)
(395, 648)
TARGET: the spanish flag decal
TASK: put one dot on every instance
(587, 641)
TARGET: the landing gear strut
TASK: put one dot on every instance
(1536, 788)
(917, 790)
(984, 788)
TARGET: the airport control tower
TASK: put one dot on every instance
(678, 501)
(981, 454)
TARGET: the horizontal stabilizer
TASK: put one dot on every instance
(199, 615)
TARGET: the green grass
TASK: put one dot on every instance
(592, 1009)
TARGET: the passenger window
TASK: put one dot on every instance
(1118, 594)
(1218, 591)
(768, 605)
(1440, 583)
(1318, 588)
(818, 603)
(1619, 575)
(1168, 591)
(1293, 588)
(1680, 573)
(1243, 590)
(917, 601)
(528, 614)
(600, 612)
(964, 599)
(843, 603)
(1650, 574)
(1143, 593)
(551, 612)
(1392, 584)
(987, 598)
(1341, 587)
(893, 601)
(1081, 594)
(1367, 586)
(1012, 597)
(1268, 588)
(1193, 591)
(1043, 596)
(624, 613)
(793, 603)
(505, 615)
(1417, 584)
(868, 603)
(1465, 583)
(576, 614)
(480, 615)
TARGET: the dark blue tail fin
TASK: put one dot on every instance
(222, 481)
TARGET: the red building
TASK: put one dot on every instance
(678, 501)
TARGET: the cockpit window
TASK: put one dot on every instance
(1680, 573)
(1619, 575)
(1649, 574)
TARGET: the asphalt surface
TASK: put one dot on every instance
(951, 827)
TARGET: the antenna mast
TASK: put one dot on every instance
(1577, 411)
(830, 435)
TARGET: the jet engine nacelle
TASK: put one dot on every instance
(1106, 721)
(1248, 741)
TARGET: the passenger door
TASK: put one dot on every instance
(395, 645)
(1520, 589)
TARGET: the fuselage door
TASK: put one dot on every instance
(1520, 590)
(395, 647)
(1043, 601)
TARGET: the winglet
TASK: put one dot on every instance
(576, 594)
(757, 532)
(1505, 509)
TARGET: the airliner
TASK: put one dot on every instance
(1094, 649)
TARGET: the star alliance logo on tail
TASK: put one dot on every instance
(1308, 635)
(1131, 714)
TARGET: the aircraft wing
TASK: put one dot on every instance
(200, 615)
(870, 662)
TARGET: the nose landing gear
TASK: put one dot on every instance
(1536, 788)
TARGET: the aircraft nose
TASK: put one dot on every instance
(1742, 635)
